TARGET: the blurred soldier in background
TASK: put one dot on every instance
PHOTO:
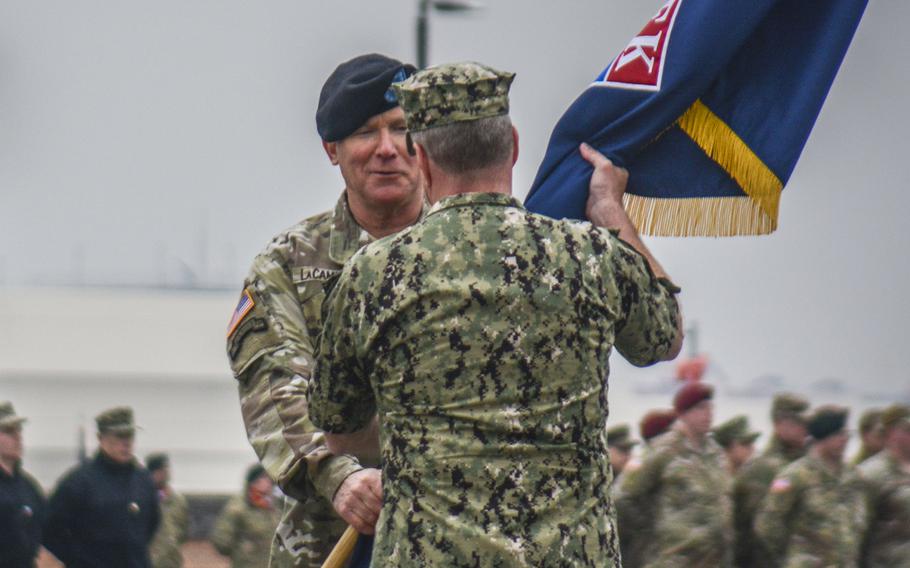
(271, 336)
(22, 505)
(815, 511)
(684, 490)
(633, 523)
(872, 434)
(887, 479)
(737, 440)
(621, 444)
(244, 530)
(175, 520)
(788, 442)
(105, 511)
(656, 422)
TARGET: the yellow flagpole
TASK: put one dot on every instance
(343, 549)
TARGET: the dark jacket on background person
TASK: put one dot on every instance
(22, 513)
(103, 515)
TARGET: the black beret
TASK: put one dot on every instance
(356, 91)
(254, 472)
(826, 421)
(154, 462)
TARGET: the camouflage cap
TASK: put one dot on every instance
(735, 429)
(451, 93)
(870, 420)
(8, 417)
(787, 405)
(896, 415)
(117, 420)
(827, 420)
(621, 437)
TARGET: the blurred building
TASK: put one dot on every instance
(66, 354)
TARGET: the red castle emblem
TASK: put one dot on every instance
(641, 63)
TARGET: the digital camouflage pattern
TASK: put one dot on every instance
(481, 336)
(271, 354)
(172, 532)
(813, 516)
(454, 92)
(244, 533)
(750, 486)
(683, 493)
(887, 542)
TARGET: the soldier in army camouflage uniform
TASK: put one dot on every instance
(737, 440)
(635, 526)
(684, 490)
(175, 520)
(270, 343)
(887, 480)
(481, 336)
(621, 444)
(243, 531)
(872, 435)
(815, 511)
(788, 442)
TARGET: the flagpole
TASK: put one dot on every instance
(343, 549)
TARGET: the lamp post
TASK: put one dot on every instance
(423, 19)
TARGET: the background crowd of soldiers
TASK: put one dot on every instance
(112, 511)
(693, 496)
(696, 497)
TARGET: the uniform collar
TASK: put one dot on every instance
(474, 199)
(347, 236)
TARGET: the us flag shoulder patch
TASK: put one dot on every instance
(641, 64)
(244, 306)
(780, 485)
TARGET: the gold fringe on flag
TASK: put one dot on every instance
(714, 216)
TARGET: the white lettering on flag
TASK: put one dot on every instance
(641, 63)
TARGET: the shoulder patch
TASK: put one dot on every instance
(780, 485)
(244, 305)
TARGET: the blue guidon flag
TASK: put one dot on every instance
(709, 108)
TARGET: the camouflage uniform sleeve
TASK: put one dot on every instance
(772, 522)
(649, 312)
(272, 358)
(341, 397)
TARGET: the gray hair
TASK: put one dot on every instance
(464, 147)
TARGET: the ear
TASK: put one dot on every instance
(331, 150)
(423, 163)
(514, 145)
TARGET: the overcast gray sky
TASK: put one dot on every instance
(152, 142)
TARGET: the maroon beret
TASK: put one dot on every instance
(691, 394)
(656, 422)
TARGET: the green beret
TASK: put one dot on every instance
(896, 415)
(870, 420)
(788, 405)
(117, 420)
(8, 417)
(452, 93)
(621, 437)
(827, 420)
(734, 430)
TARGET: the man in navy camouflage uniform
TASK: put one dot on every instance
(481, 338)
